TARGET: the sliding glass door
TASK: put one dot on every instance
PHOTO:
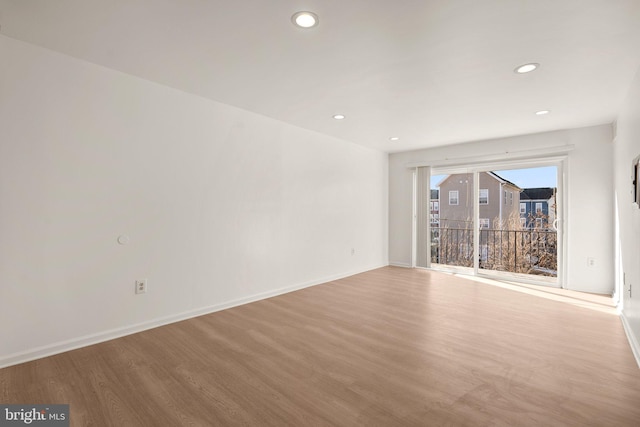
(496, 221)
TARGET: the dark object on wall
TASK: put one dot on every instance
(636, 181)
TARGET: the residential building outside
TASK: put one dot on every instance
(434, 208)
(537, 207)
(506, 243)
(499, 200)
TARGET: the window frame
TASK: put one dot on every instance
(486, 192)
(457, 198)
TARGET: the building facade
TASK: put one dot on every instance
(499, 201)
(537, 207)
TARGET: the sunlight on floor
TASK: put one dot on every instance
(597, 302)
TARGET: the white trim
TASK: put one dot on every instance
(497, 160)
(414, 219)
(633, 341)
(401, 264)
(562, 212)
(75, 343)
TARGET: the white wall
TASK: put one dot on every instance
(626, 148)
(221, 205)
(590, 207)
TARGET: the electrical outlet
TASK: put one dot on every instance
(141, 286)
(591, 262)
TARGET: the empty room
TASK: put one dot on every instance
(319, 213)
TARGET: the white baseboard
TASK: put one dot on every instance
(399, 264)
(75, 343)
(633, 340)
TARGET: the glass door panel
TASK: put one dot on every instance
(517, 222)
(452, 220)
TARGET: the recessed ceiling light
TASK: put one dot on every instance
(542, 112)
(305, 19)
(526, 68)
(339, 116)
(394, 138)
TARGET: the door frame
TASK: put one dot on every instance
(422, 199)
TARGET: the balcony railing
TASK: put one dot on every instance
(529, 251)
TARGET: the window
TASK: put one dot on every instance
(538, 208)
(505, 197)
(484, 196)
(453, 197)
(523, 208)
(435, 206)
(523, 222)
(484, 222)
(511, 199)
(538, 222)
(435, 218)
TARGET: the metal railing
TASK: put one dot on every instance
(529, 251)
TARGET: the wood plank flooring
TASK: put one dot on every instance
(390, 347)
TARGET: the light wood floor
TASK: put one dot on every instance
(390, 347)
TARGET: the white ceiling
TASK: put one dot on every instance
(431, 72)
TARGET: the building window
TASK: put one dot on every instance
(523, 222)
(538, 222)
(511, 199)
(435, 218)
(453, 197)
(435, 206)
(505, 197)
(538, 208)
(523, 208)
(484, 222)
(484, 196)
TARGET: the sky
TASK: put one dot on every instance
(523, 178)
